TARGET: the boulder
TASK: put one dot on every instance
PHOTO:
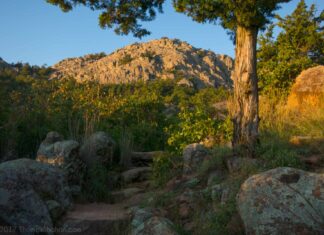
(283, 201)
(193, 157)
(121, 195)
(308, 90)
(137, 174)
(144, 158)
(147, 222)
(98, 149)
(64, 154)
(30, 192)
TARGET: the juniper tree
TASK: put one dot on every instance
(243, 17)
(299, 45)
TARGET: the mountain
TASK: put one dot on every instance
(4, 64)
(158, 59)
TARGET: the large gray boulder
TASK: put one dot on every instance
(98, 149)
(30, 192)
(283, 201)
(64, 154)
(193, 157)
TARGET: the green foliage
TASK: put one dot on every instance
(96, 183)
(217, 160)
(96, 56)
(125, 60)
(300, 45)
(165, 167)
(149, 55)
(195, 126)
(245, 13)
(123, 16)
(31, 106)
(277, 152)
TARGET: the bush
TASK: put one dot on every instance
(217, 160)
(165, 167)
(194, 127)
(125, 60)
(96, 184)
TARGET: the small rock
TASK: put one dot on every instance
(54, 209)
(184, 210)
(215, 177)
(146, 222)
(136, 174)
(123, 194)
(193, 156)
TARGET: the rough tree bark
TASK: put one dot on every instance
(246, 102)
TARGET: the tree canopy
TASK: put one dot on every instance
(126, 16)
(122, 15)
(245, 13)
(299, 45)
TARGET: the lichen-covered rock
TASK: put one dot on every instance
(193, 156)
(28, 190)
(147, 222)
(283, 201)
(98, 149)
(64, 154)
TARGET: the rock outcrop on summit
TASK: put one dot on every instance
(157, 59)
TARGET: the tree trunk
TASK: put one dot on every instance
(246, 101)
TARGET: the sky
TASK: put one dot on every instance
(36, 32)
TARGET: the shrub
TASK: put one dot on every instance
(195, 126)
(96, 183)
(217, 160)
(125, 60)
(148, 54)
(164, 167)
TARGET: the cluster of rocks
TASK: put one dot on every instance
(73, 158)
(35, 196)
(158, 59)
(279, 201)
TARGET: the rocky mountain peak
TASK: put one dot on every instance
(157, 59)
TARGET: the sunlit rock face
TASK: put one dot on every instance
(157, 59)
(308, 90)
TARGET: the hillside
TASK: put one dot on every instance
(163, 58)
(3, 64)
